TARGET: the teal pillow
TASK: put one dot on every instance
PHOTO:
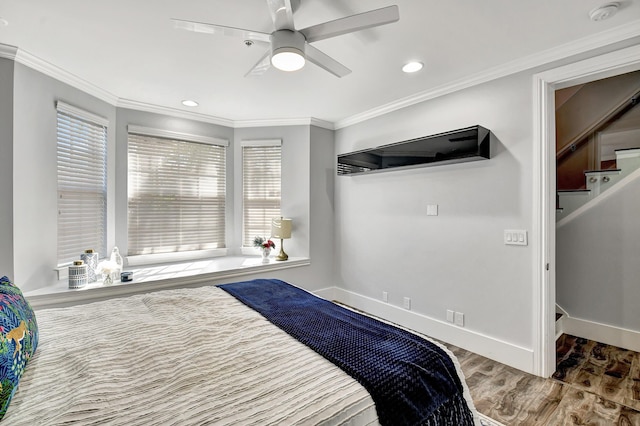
(18, 339)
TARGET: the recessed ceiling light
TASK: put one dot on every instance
(412, 67)
(3, 22)
(603, 12)
(189, 103)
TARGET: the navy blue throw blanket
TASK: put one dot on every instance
(411, 380)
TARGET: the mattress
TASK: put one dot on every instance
(179, 357)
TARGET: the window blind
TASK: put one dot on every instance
(82, 182)
(176, 195)
(261, 182)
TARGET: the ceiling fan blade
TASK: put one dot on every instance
(352, 23)
(282, 14)
(325, 61)
(261, 66)
(200, 27)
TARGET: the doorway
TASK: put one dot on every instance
(544, 190)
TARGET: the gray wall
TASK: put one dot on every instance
(323, 172)
(295, 181)
(598, 261)
(456, 260)
(30, 186)
(307, 197)
(35, 176)
(6, 168)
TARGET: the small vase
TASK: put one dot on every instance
(265, 254)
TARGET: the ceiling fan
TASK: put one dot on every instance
(290, 48)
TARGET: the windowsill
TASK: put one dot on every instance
(157, 277)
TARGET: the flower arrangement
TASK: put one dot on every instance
(109, 270)
(263, 243)
(108, 267)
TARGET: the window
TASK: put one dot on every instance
(176, 192)
(261, 171)
(82, 182)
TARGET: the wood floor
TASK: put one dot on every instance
(594, 384)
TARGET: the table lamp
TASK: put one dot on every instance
(281, 228)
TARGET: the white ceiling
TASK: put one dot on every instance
(131, 50)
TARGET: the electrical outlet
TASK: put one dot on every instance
(449, 315)
(432, 210)
(385, 296)
(406, 303)
(459, 319)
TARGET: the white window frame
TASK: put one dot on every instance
(99, 121)
(249, 250)
(144, 259)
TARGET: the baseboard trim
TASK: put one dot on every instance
(560, 322)
(326, 293)
(615, 336)
(504, 352)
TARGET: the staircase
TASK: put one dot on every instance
(597, 139)
(597, 171)
(597, 182)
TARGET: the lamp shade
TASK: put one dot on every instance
(281, 228)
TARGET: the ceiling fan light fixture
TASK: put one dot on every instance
(288, 59)
(287, 50)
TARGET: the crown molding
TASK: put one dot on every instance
(173, 112)
(322, 123)
(285, 122)
(27, 59)
(585, 44)
(235, 124)
(8, 52)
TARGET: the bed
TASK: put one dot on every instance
(209, 355)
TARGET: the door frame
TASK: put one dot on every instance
(544, 188)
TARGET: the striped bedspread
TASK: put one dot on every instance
(179, 357)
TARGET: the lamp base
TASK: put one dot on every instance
(282, 255)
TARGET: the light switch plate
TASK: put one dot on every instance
(515, 237)
(432, 210)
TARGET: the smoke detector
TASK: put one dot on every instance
(603, 12)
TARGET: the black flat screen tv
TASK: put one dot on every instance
(468, 144)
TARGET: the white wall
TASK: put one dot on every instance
(6, 167)
(598, 264)
(457, 260)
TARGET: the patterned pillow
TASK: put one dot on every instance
(18, 339)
